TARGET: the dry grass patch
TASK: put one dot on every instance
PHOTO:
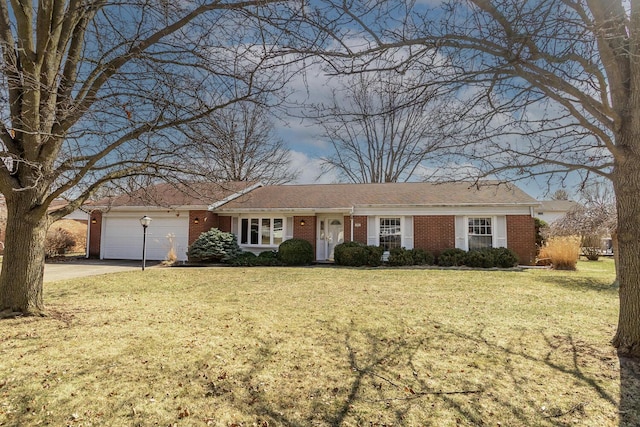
(319, 347)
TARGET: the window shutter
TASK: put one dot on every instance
(234, 225)
(407, 234)
(289, 228)
(372, 231)
(500, 232)
(461, 233)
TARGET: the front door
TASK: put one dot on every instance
(330, 234)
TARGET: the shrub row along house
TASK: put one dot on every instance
(429, 216)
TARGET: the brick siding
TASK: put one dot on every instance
(521, 237)
(359, 229)
(306, 231)
(434, 233)
(206, 221)
(95, 234)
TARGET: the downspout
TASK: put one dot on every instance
(86, 245)
(351, 222)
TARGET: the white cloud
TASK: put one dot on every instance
(310, 169)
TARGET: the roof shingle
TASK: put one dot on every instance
(174, 195)
(343, 196)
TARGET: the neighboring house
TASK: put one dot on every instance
(181, 211)
(430, 216)
(78, 215)
(552, 210)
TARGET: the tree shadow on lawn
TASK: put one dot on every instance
(403, 379)
(578, 283)
(629, 392)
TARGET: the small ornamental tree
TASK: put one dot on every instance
(213, 246)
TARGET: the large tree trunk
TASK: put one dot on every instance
(23, 262)
(626, 181)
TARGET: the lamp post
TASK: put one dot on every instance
(144, 221)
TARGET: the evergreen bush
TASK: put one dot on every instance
(295, 252)
(249, 259)
(400, 257)
(374, 255)
(214, 246)
(451, 257)
(352, 254)
(504, 258)
(244, 259)
(422, 257)
(482, 258)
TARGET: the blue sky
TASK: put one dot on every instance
(305, 142)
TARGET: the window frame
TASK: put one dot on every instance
(398, 234)
(265, 227)
(479, 227)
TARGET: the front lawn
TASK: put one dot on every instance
(320, 347)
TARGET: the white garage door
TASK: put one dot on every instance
(122, 236)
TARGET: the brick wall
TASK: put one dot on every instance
(224, 223)
(95, 234)
(306, 231)
(434, 233)
(521, 237)
(206, 221)
(359, 229)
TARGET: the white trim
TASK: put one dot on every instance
(498, 230)
(408, 210)
(259, 245)
(234, 196)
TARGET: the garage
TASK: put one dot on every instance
(123, 234)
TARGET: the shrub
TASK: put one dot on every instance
(354, 254)
(268, 255)
(375, 255)
(295, 252)
(244, 259)
(482, 258)
(339, 252)
(400, 257)
(249, 259)
(562, 252)
(58, 242)
(504, 257)
(172, 256)
(592, 246)
(451, 257)
(214, 246)
(540, 226)
(422, 257)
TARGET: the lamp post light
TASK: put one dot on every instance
(144, 221)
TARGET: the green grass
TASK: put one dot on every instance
(319, 347)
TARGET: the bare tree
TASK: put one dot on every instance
(560, 195)
(238, 143)
(551, 88)
(92, 91)
(379, 129)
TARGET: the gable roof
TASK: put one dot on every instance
(195, 194)
(346, 196)
(557, 205)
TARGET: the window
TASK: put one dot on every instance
(480, 233)
(390, 233)
(261, 231)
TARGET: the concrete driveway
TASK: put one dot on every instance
(90, 267)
